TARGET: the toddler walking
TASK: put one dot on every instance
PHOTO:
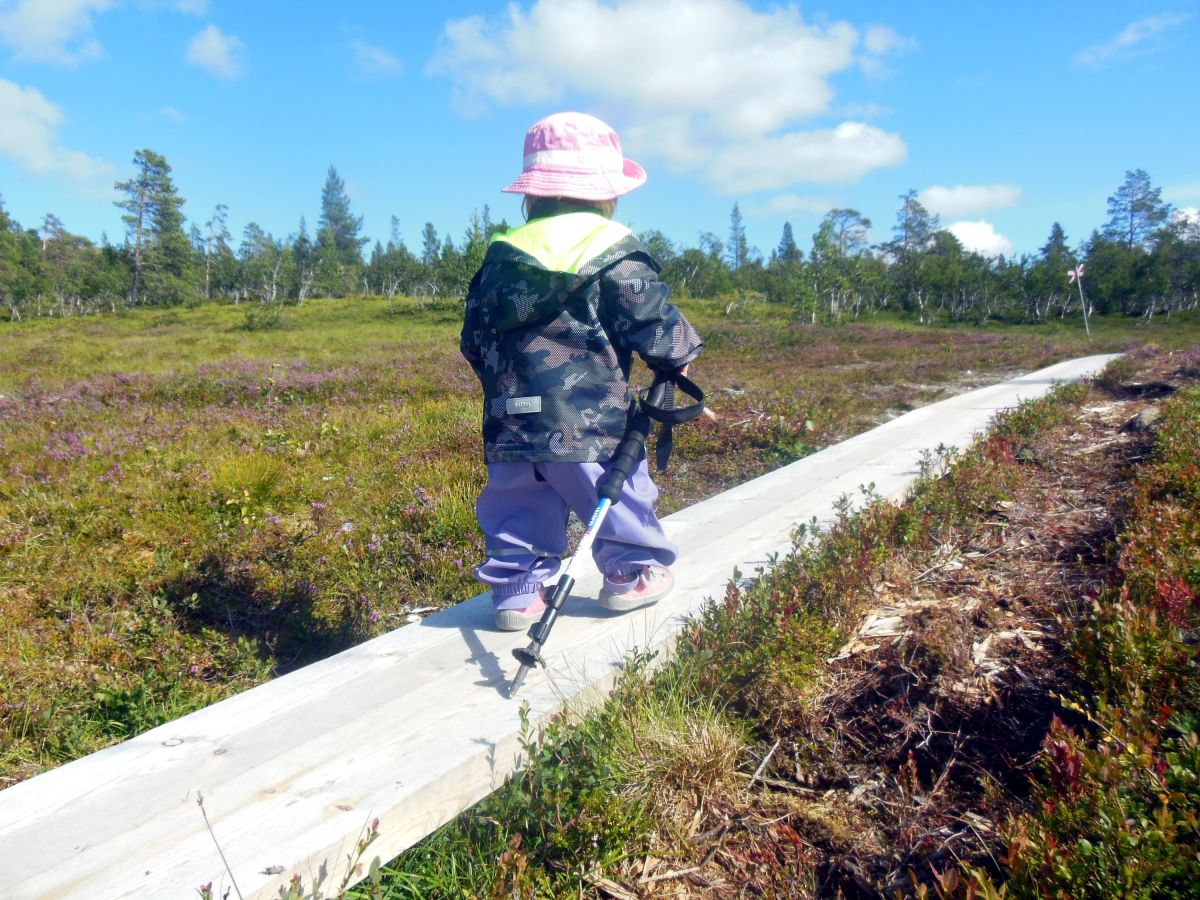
(553, 318)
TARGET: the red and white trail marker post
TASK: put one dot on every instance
(1076, 276)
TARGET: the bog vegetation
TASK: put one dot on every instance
(188, 507)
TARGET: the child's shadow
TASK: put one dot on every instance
(475, 617)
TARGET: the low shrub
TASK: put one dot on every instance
(1117, 801)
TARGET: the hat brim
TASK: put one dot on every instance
(548, 181)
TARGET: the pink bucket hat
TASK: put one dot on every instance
(575, 155)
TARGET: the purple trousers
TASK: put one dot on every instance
(523, 512)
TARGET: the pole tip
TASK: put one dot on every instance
(518, 680)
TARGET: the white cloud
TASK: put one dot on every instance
(881, 40)
(374, 62)
(171, 113)
(217, 53)
(878, 42)
(968, 199)
(841, 155)
(722, 97)
(54, 31)
(1131, 42)
(864, 111)
(982, 238)
(187, 7)
(30, 138)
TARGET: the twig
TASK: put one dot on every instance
(693, 870)
(763, 764)
(212, 834)
(785, 785)
(935, 567)
(609, 887)
(665, 876)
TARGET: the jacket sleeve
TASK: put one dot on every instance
(640, 318)
(470, 340)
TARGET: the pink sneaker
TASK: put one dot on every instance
(521, 619)
(635, 591)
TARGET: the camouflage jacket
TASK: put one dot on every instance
(553, 318)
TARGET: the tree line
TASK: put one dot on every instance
(1144, 260)
(163, 261)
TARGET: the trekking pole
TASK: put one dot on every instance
(609, 488)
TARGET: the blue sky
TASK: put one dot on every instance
(1004, 117)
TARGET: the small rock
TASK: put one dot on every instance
(1143, 421)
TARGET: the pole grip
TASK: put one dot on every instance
(629, 451)
(554, 604)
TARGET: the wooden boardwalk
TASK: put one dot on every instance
(414, 726)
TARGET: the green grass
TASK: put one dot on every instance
(594, 792)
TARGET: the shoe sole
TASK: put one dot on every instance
(621, 603)
(515, 619)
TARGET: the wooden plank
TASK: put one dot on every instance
(414, 726)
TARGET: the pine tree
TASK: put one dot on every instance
(1046, 283)
(170, 270)
(330, 273)
(337, 225)
(739, 250)
(137, 192)
(1056, 256)
(914, 228)
(154, 223)
(474, 246)
(52, 232)
(850, 229)
(1136, 211)
(430, 245)
(787, 251)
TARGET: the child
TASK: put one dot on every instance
(553, 319)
